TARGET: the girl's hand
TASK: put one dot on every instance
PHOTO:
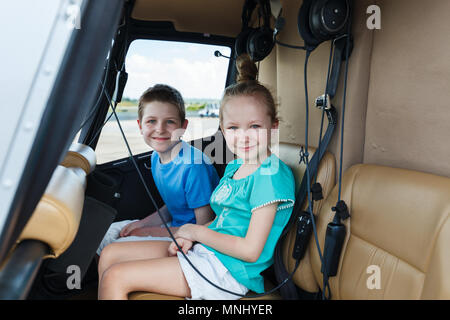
(187, 231)
(184, 244)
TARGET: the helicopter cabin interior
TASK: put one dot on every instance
(387, 157)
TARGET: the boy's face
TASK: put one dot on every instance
(161, 125)
(247, 128)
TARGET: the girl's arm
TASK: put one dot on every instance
(208, 223)
(246, 248)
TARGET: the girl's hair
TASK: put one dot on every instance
(162, 93)
(247, 85)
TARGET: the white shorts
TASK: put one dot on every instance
(211, 267)
(112, 235)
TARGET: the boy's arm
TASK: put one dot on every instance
(246, 248)
(155, 220)
(204, 214)
(153, 231)
(136, 228)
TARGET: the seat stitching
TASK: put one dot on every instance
(432, 250)
(327, 178)
(379, 248)
(434, 242)
(350, 231)
(383, 263)
(391, 276)
(373, 249)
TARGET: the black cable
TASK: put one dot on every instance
(279, 25)
(308, 178)
(325, 104)
(336, 218)
(289, 45)
(347, 53)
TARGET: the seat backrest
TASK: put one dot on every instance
(57, 216)
(398, 232)
(289, 154)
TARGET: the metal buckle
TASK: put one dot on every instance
(323, 102)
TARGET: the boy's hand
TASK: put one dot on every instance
(126, 231)
(184, 244)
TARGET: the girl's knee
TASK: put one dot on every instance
(106, 258)
(113, 277)
(111, 285)
(112, 274)
(107, 252)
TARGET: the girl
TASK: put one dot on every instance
(253, 203)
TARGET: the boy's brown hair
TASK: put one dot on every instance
(162, 93)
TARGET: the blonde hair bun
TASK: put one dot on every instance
(246, 68)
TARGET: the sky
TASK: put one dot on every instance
(190, 68)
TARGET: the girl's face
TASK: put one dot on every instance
(247, 127)
(161, 125)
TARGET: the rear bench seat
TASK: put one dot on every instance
(289, 153)
(400, 224)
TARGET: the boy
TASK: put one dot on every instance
(184, 176)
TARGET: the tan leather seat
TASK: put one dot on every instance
(399, 226)
(57, 216)
(289, 153)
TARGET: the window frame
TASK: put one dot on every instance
(144, 30)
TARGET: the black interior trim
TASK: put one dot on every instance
(18, 274)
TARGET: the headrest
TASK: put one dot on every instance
(80, 156)
(57, 216)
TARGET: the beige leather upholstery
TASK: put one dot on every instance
(397, 91)
(80, 156)
(408, 88)
(197, 17)
(400, 223)
(289, 153)
(57, 216)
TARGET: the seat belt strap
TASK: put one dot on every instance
(289, 290)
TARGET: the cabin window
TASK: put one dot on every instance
(191, 68)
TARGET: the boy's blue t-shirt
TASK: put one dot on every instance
(185, 183)
(234, 201)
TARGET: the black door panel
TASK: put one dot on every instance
(131, 200)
